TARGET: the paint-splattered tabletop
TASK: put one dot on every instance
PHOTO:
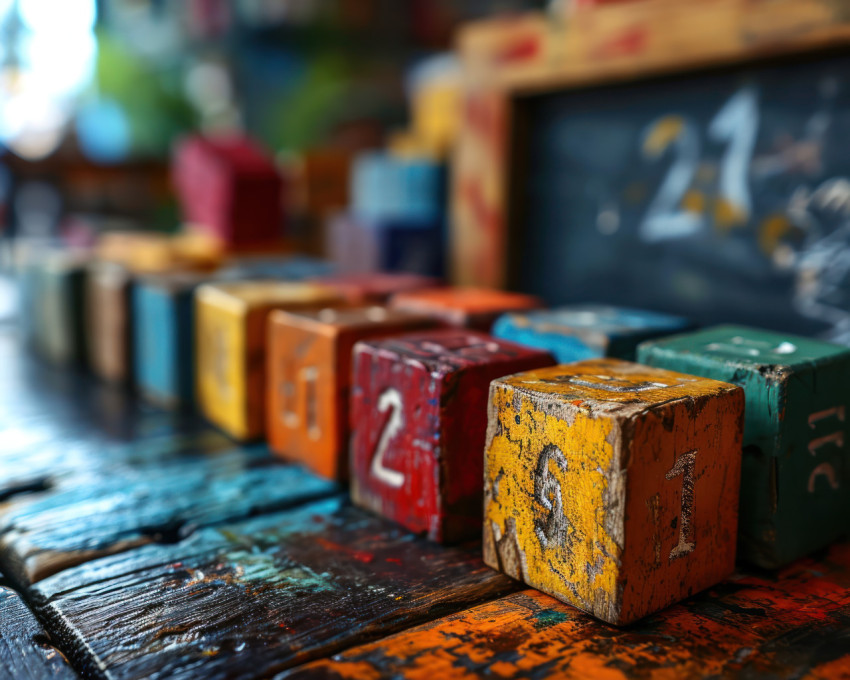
(138, 544)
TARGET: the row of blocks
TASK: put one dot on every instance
(618, 487)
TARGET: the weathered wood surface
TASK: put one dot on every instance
(163, 497)
(251, 599)
(25, 649)
(793, 625)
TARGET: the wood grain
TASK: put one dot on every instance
(25, 649)
(137, 502)
(792, 625)
(255, 598)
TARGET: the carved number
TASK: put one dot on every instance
(389, 399)
(837, 438)
(685, 466)
(550, 526)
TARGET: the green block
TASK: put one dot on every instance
(795, 475)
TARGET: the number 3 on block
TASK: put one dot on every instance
(390, 399)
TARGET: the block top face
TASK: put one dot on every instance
(378, 285)
(241, 296)
(749, 348)
(602, 320)
(464, 300)
(290, 268)
(448, 350)
(334, 321)
(611, 386)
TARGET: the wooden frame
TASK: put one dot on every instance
(506, 59)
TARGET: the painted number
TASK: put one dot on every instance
(837, 438)
(685, 466)
(390, 399)
(551, 524)
(736, 125)
(292, 378)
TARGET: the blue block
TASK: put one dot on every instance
(164, 338)
(587, 331)
(402, 190)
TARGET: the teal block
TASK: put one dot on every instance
(795, 480)
(587, 331)
(164, 338)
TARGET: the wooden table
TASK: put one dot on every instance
(138, 544)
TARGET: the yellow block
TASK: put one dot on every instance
(230, 325)
(612, 486)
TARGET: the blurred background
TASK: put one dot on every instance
(710, 186)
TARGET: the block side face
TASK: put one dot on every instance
(155, 331)
(552, 499)
(396, 439)
(301, 396)
(812, 478)
(682, 500)
(109, 327)
(220, 365)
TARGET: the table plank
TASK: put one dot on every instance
(255, 598)
(147, 493)
(25, 649)
(792, 625)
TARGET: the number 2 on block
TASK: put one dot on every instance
(390, 399)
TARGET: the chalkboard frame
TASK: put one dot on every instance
(506, 61)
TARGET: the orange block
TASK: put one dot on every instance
(309, 378)
(613, 486)
(474, 308)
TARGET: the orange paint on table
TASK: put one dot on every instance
(791, 625)
(475, 308)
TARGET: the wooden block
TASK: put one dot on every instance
(474, 308)
(376, 287)
(795, 486)
(418, 417)
(612, 486)
(358, 245)
(587, 331)
(229, 189)
(389, 189)
(162, 498)
(250, 600)
(231, 334)
(25, 649)
(61, 333)
(109, 322)
(752, 626)
(309, 379)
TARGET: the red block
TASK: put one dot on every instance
(419, 420)
(230, 189)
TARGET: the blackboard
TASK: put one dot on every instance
(722, 195)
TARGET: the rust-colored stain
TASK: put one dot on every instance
(791, 625)
(525, 48)
(633, 40)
